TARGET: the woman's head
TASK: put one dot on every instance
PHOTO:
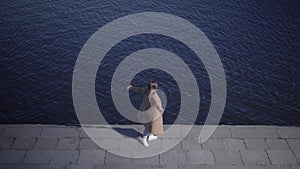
(152, 85)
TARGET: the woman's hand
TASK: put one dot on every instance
(128, 87)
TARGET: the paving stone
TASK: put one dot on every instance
(51, 166)
(297, 155)
(295, 167)
(46, 143)
(91, 157)
(200, 157)
(227, 157)
(234, 144)
(86, 143)
(38, 156)
(281, 157)
(214, 144)
(255, 157)
(173, 157)
(263, 167)
(221, 167)
(22, 131)
(192, 166)
(64, 157)
(149, 160)
(5, 143)
(191, 143)
(129, 144)
(11, 156)
(294, 144)
(166, 143)
(160, 166)
(256, 144)
(222, 132)
(135, 166)
(60, 132)
(108, 166)
(254, 132)
(289, 132)
(68, 143)
(115, 159)
(80, 166)
(23, 143)
(19, 166)
(111, 143)
(277, 144)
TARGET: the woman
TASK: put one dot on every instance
(150, 111)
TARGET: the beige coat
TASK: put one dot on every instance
(150, 110)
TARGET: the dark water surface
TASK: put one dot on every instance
(258, 43)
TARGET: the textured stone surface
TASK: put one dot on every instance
(68, 147)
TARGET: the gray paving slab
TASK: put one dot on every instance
(68, 143)
(146, 161)
(23, 143)
(254, 132)
(46, 143)
(111, 158)
(214, 144)
(256, 144)
(108, 166)
(281, 157)
(227, 157)
(295, 167)
(277, 144)
(254, 157)
(64, 157)
(11, 156)
(91, 157)
(294, 144)
(5, 143)
(232, 144)
(289, 132)
(221, 167)
(79, 166)
(192, 166)
(175, 156)
(297, 155)
(60, 132)
(88, 144)
(19, 166)
(200, 157)
(38, 156)
(51, 166)
(22, 131)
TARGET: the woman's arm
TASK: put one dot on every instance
(136, 89)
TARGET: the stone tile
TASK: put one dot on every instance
(111, 143)
(129, 144)
(88, 144)
(149, 160)
(255, 157)
(68, 143)
(108, 166)
(295, 167)
(160, 166)
(256, 144)
(281, 157)
(221, 167)
(51, 166)
(91, 157)
(294, 144)
(214, 144)
(277, 144)
(135, 166)
(191, 143)
(23, 143)
(262, 167)
(60, 132)
(38, 156)
(115, 159)
(46, 143)
(200, 157)
(222, 132)
(234, 144)
(5, 143)
(192, 166)
(289, 132)
(254, 132)
(297, 155)
(167, 143)
(11, 156)
(227, 157)
(22, 131)
(173, 157)
(64, 157)
(19, 166)
(80, 166)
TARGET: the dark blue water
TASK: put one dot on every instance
(258, 43)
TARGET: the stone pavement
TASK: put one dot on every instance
(68, 147)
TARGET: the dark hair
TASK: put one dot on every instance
(151, 85)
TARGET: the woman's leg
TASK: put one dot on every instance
(145, 137)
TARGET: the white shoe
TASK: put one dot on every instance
(152, 137)
(145, 142)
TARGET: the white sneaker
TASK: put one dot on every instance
(145, 142)
(152, 137)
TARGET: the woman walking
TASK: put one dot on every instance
(150, 112)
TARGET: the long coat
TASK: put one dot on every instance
(150, 110)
